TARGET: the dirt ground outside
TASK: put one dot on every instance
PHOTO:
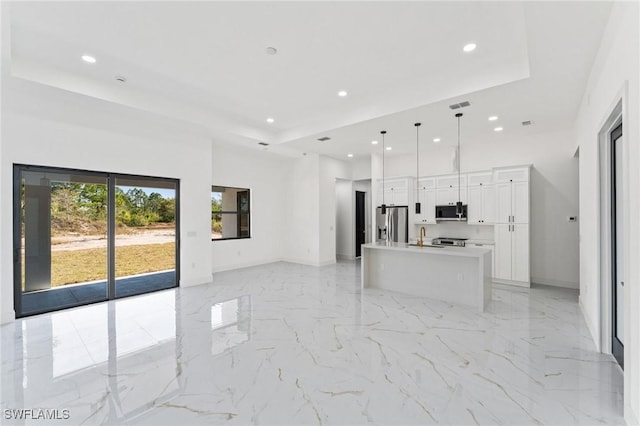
(83, 242)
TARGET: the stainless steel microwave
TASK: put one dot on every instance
(448, 213)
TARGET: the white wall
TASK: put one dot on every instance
(330, 170)
(344, 219)
(265, 175)
(554, 193)
(302, 239)
(615, 73)
(361, 168)
(46, 126)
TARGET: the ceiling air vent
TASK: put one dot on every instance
(263, 143)
(324, 139)
(527, 123)
(463, 104)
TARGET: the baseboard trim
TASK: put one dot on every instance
(345, 257)
(195, 281)
(244, 265)
(513, 283)
(8, 317)
(556, 283)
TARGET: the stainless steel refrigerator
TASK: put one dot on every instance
(394, 225)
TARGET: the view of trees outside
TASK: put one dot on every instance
(216, 215)
(145, 233)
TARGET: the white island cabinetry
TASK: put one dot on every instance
(458, 275)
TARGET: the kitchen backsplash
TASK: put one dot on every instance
(455, 230)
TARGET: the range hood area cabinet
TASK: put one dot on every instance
(447, 190)
(511, 230)
(482, 199)
(395, 191)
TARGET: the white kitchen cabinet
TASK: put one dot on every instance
(512, 253)
(426, 192)
(480, 178)
(512, 225)
(427, 199)
(451, 181)
(502, 263)
(520, 252)
(449, 196)
(481, 205)
(395, 192)
(512, 204)
(511, 174)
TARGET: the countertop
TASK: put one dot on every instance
(447, 251)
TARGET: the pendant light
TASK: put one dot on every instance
(383, 207)
(459, 203)
(417, 167)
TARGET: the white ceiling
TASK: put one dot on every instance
(205, 63)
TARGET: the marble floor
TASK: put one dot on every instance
(286, 344)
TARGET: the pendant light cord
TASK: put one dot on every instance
(383, 133)
(417, 160)
(459, 115)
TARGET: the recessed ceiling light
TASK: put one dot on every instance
(342, 93)
(388, 148)
(469, 47)
(374, 142)
(271, 50)
(498, 129)
(270, 120)
(89, 59)
(350, 155)
(436, 140)
(493, 118)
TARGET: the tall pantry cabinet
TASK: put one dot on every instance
(512, 226)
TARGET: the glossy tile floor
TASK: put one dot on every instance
(290, 344)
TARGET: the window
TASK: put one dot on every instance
(230, 213)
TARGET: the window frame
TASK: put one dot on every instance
(236, 212)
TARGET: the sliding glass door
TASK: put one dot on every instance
(82, 237)
(61, 235)
(145, 237)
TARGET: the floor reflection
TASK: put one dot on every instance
(231, 323)
(123, 354)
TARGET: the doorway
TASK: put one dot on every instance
(617, 246)
(82, 237)
(360, 228)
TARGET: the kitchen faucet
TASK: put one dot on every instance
(423, 233)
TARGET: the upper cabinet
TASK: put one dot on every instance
(427, 197)
(511, 174)
(451, 181)
(482, 204)
(449, 196)
(480, 178)
(482, 200)
(395, 192)
(450, 189)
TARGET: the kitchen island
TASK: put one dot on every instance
(460, 275)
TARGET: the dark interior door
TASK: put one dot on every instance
(360, 222)
(617, 253)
